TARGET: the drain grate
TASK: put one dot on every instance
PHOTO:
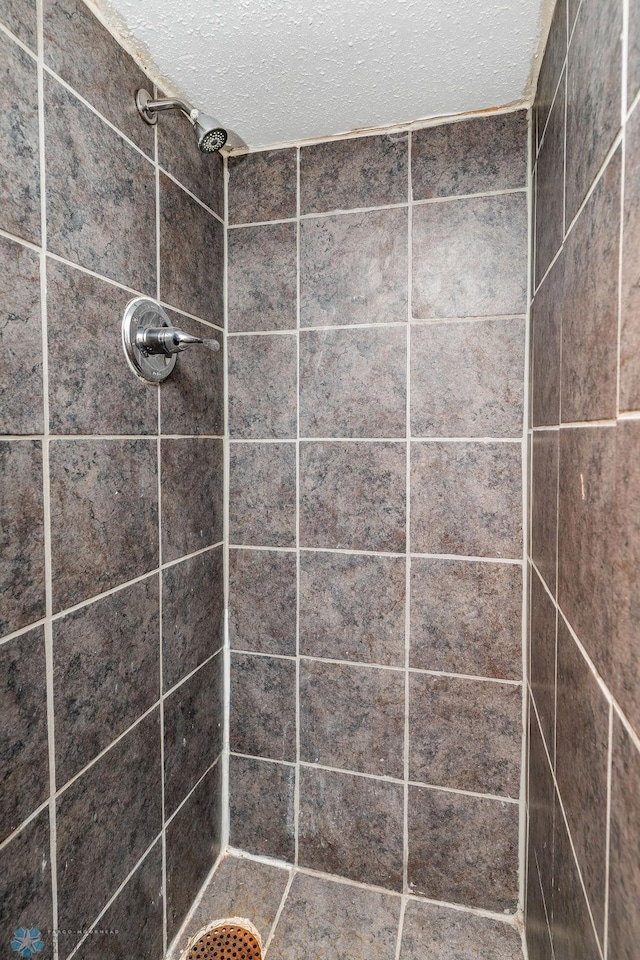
(226, 941)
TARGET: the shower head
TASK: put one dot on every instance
(210, 134)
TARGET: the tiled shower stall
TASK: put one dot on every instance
(347, 478)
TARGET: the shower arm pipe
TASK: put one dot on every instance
(173, 103)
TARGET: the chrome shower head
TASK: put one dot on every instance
(210, 134)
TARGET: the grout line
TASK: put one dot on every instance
(407, 591)
(260, 223)
(225, 826)
(402, 439)
(574, 425)
(381, 554)
(189, 193)
(95, 437)
(381, 324)
(296, 787)
(19, 43)
(607, 869)
(276, 919)
(403, 906)
(45, 805)
(170, 950)
(470, 196)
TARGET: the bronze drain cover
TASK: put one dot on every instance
(229, 940)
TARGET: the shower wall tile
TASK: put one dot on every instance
(262, 494)
(24, 754)
(90, 168)
(262, 385)
(201, 173)
(541, 806)
(352, 717)
(104, 74)
(542, 653)
(630, 295)
(263, 706)
(262, 277)
(192, 399)
(261, 807)
(363, 172)
(19, 16)
(189, 281)
(353, 268)
(104, 515)
(353, 383)
(192, 614)
(624, 870)
(488, 400)
(351, 826)
(471, 156)
(571, 926)
(552, 64)
(466, 617)
(633, 57)
(544, 504)
(21, 534)
(192, 495)
(21, 407)
(86, 394)
(550, 186)
(537, 931)
(106, 673)
(19, 142)
(546, 321)
(442, 933)
(263, 186)
(262, 601)
(25, 887)
(457, 245)
(352, 607)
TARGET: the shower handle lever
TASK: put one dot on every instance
(164, 340)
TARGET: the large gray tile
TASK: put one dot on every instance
(633, 57)
(624, 871)
(21, 400)
(441, 933)
(263, 186)
(20, 17)
(630, 287)
(192, 495)
(550, 187)
(262, 277)
(192, 398)
(25, 887)
(262, 494)
(542, 653)
(261, 807)
(552, 64)
(544, 504)
(537, 930)
(571, 927)
(19, 142)
(546, 324)
(262, 601)
(262, 720)
(262, 383)
(540, 801)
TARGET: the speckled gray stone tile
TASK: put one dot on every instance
(466, 498)
(467, 379)
(571, 926)
(540, 801)
(262, 383)
(106, 672)
(262, 277)
(262, 601)
(624, 921)
(262, 494)
(466, 617)
(470, 257)
(544, 504)
(19, 16)
(327, 919)
(463, 849)
(21, 403)
(353, 268)
(86, 394)
(262, 720)
(352, 496)
(542, 654)
(192, 398)
(630, 287)
(363, 172)
(192, 495)
(261, 807)
(441, 933)
(263, 186)
(552, 64)
(550, 186)
(104, 515)
(352, 717)
(21, 534)
(537, 931)
(546, 324)
(352, 607)
(24, 760)
(19, 143)
(25, 884)
(100, 194)
(178, 154)
(470, 156)
(351, 826)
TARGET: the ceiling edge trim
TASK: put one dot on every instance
(546, 17)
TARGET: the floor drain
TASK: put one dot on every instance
(233, 939)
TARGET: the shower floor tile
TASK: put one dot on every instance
(306, 917)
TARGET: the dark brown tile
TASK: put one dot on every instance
(544, 504)
(262, 383)
(467, 379)
(352, 607)
(185, 281)
(105, 821)
(261, 807)
(329, 919)
(465, 734)
(178, 154)
(262, 494)
(466, 617)
(24, 754)
(590, 315)
(552, 64)
(192, 495)
(262, 186)
(25, 888)
(441, 933)
(353, 383)
(457, 245)
(92, 170)
(546, 325)
(571, 927)
(471, 156)
(193, 718)
(20, 16)
(630, 287)
(192, 398)
(537, 930)
(363, 172)
(540, 800)
(106, 672)
(466, 499)
(353, 268)
(593, 94)
(550, 186)
(19, 142)
(21, 402)
(105, 74)
(624, 870)
(262, 719)
(192, 614)
(21, 534)
(463, 849)
(352, 496)
(104, 515)
(351, 826)
(542, 653)
(262, 277)
(262, 601)
(352, 717)
(193, 845)
(86, 394)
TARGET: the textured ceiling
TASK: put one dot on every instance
(279, 71)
